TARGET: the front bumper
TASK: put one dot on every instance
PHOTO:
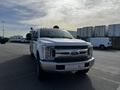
(71, 66)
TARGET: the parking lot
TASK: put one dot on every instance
(18, 72)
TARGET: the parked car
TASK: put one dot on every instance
(3, 40)
(17, 38)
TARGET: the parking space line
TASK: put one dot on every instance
(113, 81)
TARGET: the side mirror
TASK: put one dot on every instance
(34, 39)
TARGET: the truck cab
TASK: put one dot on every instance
(56, 50)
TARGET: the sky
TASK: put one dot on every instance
(19, 15)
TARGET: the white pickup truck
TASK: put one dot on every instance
(57, 50)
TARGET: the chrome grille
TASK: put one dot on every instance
(67, 54)
(71, 52)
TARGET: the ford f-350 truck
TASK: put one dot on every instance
(56, 50)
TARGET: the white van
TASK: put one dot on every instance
(102, 42)
(17, 38)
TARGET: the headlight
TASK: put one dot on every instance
(49, 53)
(90, 52)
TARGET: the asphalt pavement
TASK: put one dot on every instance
(18, 72)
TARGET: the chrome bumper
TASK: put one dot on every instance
(71, 66)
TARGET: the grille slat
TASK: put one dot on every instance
(71, 59)
(71, 47)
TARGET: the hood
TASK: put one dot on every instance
(62, 41)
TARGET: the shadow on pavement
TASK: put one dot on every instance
(16, 67)
(67, 81)
(19, 74)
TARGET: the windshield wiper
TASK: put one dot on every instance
(65, 37)
(56, 37)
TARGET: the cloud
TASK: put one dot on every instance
(74, 13)
(68, 14)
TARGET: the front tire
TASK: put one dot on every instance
(40, 72)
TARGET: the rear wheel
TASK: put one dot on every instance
(80, 72)
(102, 47)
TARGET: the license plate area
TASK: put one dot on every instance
(74, 66)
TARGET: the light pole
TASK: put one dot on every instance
(3, 28)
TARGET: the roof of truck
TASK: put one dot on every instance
(45, 29)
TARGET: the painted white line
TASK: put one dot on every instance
(113, 81)
(118, 88)
(111, 69)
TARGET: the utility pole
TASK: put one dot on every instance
(3, 28)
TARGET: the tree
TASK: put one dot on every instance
(28, 36)
(56, 27)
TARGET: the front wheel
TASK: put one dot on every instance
(40, 72)
(80, 72)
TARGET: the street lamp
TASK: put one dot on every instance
(3, 28)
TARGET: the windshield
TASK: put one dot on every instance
(55, 33)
